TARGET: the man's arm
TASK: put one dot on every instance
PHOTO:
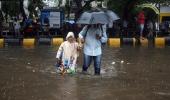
(103, 38)
(82, 36)
(83, 32)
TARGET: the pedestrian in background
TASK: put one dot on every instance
(141, 22)
(17, 27)
(150, 28)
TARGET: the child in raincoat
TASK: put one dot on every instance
(67, 54)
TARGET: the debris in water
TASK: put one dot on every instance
(113, 63)
(33, 70)
(103, 71)
(162, 93)
(122, 61)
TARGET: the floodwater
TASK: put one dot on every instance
(128, 73)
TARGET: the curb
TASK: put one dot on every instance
(2, 42)
(57, 41)
(118, 42)
(159, 42)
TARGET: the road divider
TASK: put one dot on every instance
(44, 41)
(144, 42)
(1, 42)
(129, 41)
(159, 42)
(12, 41)
(114, 42)
(28, 42)
(57, 41)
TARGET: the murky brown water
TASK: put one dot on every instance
(127, 74)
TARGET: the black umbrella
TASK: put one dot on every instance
(97, 17)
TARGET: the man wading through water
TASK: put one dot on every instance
(92, 37)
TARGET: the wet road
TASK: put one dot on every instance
(127, 74)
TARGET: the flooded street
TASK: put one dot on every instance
(127, 73)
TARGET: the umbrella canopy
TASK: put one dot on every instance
(97, 17)
(93, 18)
(112, 16)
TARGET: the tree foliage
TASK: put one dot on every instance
(15, 7)
(11, 7)
(121, 7)
(126, 7)
(33, 5)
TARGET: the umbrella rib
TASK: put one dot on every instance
(91, 20)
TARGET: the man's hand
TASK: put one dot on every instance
(80, 46)
(98, 36)
(80, 42)
(58, 60)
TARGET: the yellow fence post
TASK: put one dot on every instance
(29, 42)
(57, 41)
(159, 42)
(1, 42)
(144, 42)
(114, 42)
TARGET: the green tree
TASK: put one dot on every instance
(10, 8)
(125, 8)
(33, 5)
(15, 7)
(22, 9)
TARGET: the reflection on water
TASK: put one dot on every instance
(127, 74)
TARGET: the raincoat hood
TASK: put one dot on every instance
(69, 34)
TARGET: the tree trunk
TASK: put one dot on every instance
(22, 9)
(127, 9)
